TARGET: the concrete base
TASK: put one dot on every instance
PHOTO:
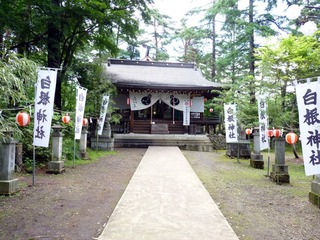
(280, 174)
(314, 195)
(106, 144)
(256, 161)
(241, 148)
(84, 155)
(8, 187)
(257, 164)
(315, 187)
(55, 167)
(314, 199)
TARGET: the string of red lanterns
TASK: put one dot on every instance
(66, 119)
(277, 133)
(23, 119)
(85, 121)
(291, 138)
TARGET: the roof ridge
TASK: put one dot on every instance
(150, 63)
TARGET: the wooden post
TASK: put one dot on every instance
(131, 121)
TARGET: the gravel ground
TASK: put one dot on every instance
(78, 203)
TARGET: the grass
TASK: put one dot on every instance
(93, 156)
(299, 183)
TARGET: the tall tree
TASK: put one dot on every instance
(159, 27)
(61, 28)
(190, 41)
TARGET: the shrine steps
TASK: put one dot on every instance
(183, 141)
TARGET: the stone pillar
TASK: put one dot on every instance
(83, 143)
(56, 165)
(279, 171)
(18, 155)
(256, 160)
(105, 141)
(8, 184)
(314, 195)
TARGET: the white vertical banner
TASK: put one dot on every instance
(263, 122)
(43, 106)
(103, 111)
(186, 112)
(231, 123)
(308, 99)
(80, 106)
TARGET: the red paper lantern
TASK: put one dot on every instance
(291, 138)
(23, 119)
(66, 119)
(248, 131)
(270, 133)
(84, 121)
(211, 110)
(277, 133)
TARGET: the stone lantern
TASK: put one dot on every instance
(56, 165)
(8, 182)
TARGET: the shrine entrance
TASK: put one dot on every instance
(158, 112)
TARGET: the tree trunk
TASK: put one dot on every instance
(54, 51)
(295, 151)
(213, 70)
(1, 43)
(251, 54)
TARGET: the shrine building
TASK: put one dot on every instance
(161, 97)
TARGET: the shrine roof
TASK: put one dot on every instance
(150, 75)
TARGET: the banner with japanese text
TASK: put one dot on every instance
(80, 106)
(230, 120)
(186, 112)
(103, 112)
(263, 123)
(308, 99)
(43, 106)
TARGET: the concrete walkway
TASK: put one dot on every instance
(165, 200)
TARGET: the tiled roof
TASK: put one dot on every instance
(157, 75)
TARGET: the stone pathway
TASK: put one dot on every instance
(165, 200)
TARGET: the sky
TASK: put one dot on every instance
(176, 9)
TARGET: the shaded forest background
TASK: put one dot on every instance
(253, 50)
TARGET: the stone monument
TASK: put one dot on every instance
(104, 141)
(83, 143)
(256, 159)
(56, 165)
(8, 184)
(239, 149)
(279, 171)
(314, 195)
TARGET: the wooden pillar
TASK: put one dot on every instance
(131, 121)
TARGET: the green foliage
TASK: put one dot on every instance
(295, 57)
(93, 76)
(158, 37)
(17, 79)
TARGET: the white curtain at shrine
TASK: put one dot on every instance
(139, 101)
(174, 100)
